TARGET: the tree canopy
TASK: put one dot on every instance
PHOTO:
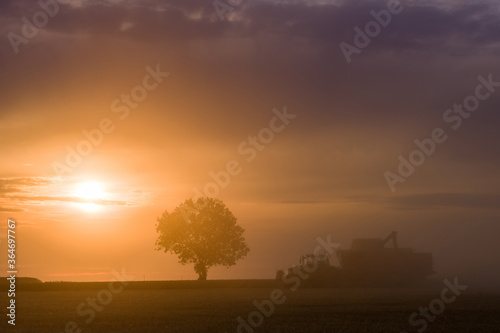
(203, 232)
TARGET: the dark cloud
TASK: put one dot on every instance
(293, 46)
(420, 26)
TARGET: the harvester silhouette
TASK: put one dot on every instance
(369, 261)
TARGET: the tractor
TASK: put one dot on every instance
(369, 262)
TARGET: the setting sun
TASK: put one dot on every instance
(300, 166)
(91, 192)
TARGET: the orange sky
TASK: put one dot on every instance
(322, 174)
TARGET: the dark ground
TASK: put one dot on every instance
(189, 306)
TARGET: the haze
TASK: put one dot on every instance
(322, 174)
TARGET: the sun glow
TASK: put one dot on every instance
(91, 193)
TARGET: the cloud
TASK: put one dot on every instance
(11, 210)
(25, 181)
(358, 118)
(21, 184)
(425, 23)
(66, 199)
(441, 200)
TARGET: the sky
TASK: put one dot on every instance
(206, 83)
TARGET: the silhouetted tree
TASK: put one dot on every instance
(202, 232)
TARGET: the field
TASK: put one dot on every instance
(215, 309)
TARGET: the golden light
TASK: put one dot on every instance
(92, 191)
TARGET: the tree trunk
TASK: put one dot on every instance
(201, 269)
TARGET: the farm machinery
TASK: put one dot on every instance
(369, 261)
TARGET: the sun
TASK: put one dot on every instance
(91, 192)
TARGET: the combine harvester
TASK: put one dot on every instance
(369, 262)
